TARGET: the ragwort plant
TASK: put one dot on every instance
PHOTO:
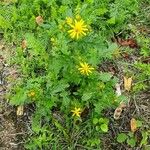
(59, 70)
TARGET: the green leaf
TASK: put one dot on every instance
(144, 138)
(98, 107)
(90, 1)
(131, 142)
(105, 76)
(101, 120)
(139, 123)
(95, 121)
(34, 44)
(60, 128)
(97, 128)
(36, 126)
(93, 58)
(122, 98)
(46, 26)
(4, 23)
(61, 86)
(102, 11)
(104, 120)
(121, 137)
(107, 52)
(86, 96)
(66, 99)
(95, 142)
(104, 127)
(131, 134)
(111, 20)
(19, 98)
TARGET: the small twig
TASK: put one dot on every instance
(137, 108)
(15, 144)
(20, 133)
(85, 147)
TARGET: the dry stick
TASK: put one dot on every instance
(85, 147)
(15, 144)
(137, 108)
(113, 130)
(20, 133)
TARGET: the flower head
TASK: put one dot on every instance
(78, 29)
(85, 68)
(31, 94)
(76, 112)
(69, 20)
(53, 41)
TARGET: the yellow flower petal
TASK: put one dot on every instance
(78, 29)
(76, 112)
(85, 68)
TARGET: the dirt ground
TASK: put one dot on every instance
(13, 129)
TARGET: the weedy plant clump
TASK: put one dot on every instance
(60, 46)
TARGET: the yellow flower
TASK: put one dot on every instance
(31, 94)
(85, 68)
(78, 29)
(76, 112)
(116, 53)
(54, 41)
(69, 20)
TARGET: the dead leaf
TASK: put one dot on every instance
(127, 83)
(20, 110)
(39, 20)
(144, 29)
(119, 110)
(123, 105)
(112, 69)
(125, 55)
(85, 112)
(118, 90)
(127, 42)
(117, 113)
(24, 44)
(1, 46)
(133, 125)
